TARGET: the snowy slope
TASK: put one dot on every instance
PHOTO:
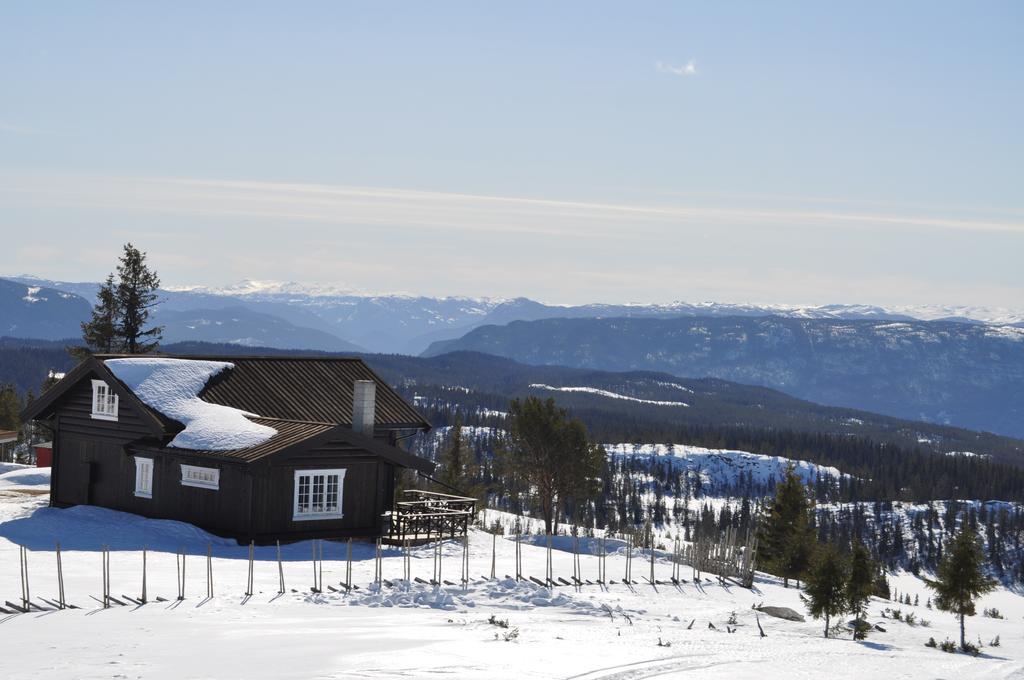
(419, 631)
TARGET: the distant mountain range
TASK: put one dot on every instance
(409, 324)
(961, 366)
(971, 375)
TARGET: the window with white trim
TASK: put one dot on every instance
(202, 477)
(143, 477)
(318, 494)
(104, 401)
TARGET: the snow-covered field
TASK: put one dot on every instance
(418, 630)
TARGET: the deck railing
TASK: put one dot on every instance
(429, 515)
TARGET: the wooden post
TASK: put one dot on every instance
(378, 571)
(494, 553)
(280, 570)
(26, 595)
(550, 577)
(519, 557)
(252, 555)
(312, 545)
(348, 567)
(105, 557)
(143, 598)
(651, 548)
(180, 561)
(465, 561)
(209, 570)
(60, 580)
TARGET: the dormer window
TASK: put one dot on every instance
(104, 401)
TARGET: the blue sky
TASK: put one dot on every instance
(762, 152)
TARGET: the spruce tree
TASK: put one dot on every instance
(550, 452)
(136, 296)
(859, 586)
(453, 460)
(787, 538)
(10, 407)
(960, 577)
(101, 334)
(826, 585)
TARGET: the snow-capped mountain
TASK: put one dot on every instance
(36, 311)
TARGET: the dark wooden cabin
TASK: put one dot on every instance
(323, 474)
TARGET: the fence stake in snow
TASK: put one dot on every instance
(60, 580)
(280, 571)
(494, 553)
(406, 562)
(252, 554)
(348, 567)
(26, 596)
(312, 545)
(179, 560)
(519, 557)
(437, 563)
(105, 557)
(209, 570)
(143, 598)
(378, 566)
(465, 561)
(549, 577)
(652, 557)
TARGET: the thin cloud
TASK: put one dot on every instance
(445, 211)
(687, 69)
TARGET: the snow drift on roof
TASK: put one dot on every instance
(172, 386)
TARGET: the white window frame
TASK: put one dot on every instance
(144, 477)
(105, 407)
(310, 514)
(200, 477)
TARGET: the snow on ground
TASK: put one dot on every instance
(172, 386)
(606, 393)
(14, 477)
(417, 630)
(721, 468)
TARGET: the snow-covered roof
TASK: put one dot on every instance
(172, 387)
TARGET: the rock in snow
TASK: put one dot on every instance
(172, 386)
(782, 613)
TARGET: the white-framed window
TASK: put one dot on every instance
(318, 494)
(202, 477)
(104, 401)
(143, 477)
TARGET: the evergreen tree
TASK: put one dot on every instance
(10, 408)
(550, 452)
(826, 585)
(859, 586)
(101, 333)
(960, 577)
(136, 296)
(453, 460)
(787, 538)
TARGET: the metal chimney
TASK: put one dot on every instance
(364, 398)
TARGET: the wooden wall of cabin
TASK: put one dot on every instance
(88, 453)
(94, 464)
(366, 493)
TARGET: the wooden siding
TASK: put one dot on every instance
(369, 482)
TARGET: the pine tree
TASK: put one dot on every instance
(787, 539)
(453, 460)
(960, 577)
(550, 452)
(101, 333)
(136, 296)
(859, 586)
(826, 585)
(10, 407)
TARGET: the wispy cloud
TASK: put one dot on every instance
(447, 211)
(687, 69)
(12, 129)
